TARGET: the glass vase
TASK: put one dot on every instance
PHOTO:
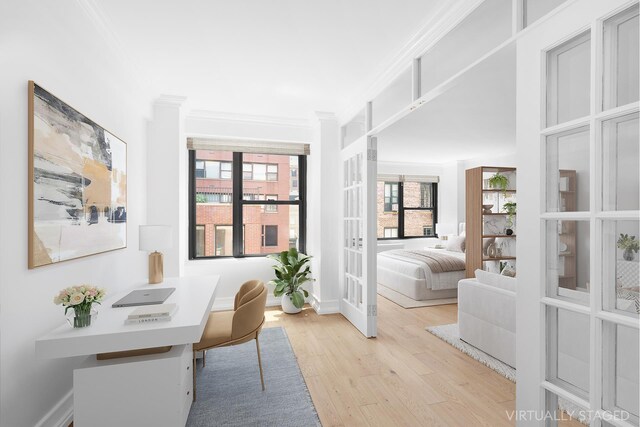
(80, 317)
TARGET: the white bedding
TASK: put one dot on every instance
(414, 278)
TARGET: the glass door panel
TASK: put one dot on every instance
(620, 163)
(568, 80)
(621, 48)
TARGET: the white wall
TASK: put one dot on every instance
(58, 46)
(233, 271)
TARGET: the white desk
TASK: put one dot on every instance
(143, 390)
(108, 333)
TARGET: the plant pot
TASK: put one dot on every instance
(628, 255)
(81, 319)
(287, 305)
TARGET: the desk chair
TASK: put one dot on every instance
(243, 324)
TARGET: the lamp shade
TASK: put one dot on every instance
(154, 237)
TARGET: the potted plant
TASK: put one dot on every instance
(499, 181)
(80, 299)
(629, 245)
(292, 271)
(510, 209)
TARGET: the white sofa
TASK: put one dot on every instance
(487, 314)
(487, 321)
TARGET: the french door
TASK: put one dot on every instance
(578, 161)
(358, 235)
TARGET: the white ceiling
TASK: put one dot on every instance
(279, 58)
(475, 118)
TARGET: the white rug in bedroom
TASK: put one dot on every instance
(406, 302)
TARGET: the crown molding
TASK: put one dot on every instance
(170, 100)
(325, 115)
(249, 119)
(104, 28)
(450, 14)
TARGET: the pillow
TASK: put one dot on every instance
(496, 280)
(455, 243)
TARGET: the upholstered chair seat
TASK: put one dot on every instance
(243, 324)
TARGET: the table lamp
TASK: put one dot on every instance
(152, 238)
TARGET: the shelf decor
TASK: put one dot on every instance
(79, 299)
(77, 183)
(490, 218)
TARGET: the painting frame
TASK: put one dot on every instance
(89, 184)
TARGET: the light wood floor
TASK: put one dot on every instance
(405, 376)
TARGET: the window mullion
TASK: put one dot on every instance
(237, 204)
(401, 210)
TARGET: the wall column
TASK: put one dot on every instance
(322, 211)
(167, 164)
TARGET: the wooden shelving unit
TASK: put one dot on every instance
(567, 235)
(476, 194)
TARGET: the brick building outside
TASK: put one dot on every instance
(416, 222)
(267, 228)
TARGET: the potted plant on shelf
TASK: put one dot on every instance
(292, 271)
(510, 209)
(629, 245)
(499, 181)
(79, 299)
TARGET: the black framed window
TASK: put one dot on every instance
(391, 196)
(407, 209)
(262, 211)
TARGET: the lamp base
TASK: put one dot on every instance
(155, 267)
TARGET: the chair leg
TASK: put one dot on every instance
(260, 363)
(204, 358)
(194, 375)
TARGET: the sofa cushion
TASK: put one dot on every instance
(497, 280)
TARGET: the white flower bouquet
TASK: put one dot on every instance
(79, 298)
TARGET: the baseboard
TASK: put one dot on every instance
(226, 303)
(324, 307)
(61, 415)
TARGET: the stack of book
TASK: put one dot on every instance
(152, 313)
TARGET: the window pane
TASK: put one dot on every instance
(272, 175)
(621, 267)
(620, 163)
(568, 171)
(199, 169)
(390, 232)
(620, 364)
(417, 195)
(621, 41)
(568, 350)
(212, 169)
(223, 240)
(200, 240)
(536, 9)
(568, 84)
(386, 218)
(225, 170)
(213, 205)
(567, 261)
(270, 232)
(417, 222)
(567, 414)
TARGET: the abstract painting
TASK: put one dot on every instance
(77, 183)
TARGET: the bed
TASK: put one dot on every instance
(405, 271)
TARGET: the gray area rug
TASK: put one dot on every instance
(451, 335)
(230, 394)
(406, 302)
